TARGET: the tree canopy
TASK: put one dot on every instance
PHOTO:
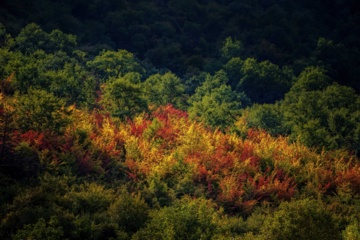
(179, 119)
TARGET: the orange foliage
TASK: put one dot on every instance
(350, 177)
(33, 138)
(235, 172)
(137, 129)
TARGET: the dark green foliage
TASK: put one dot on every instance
(123, 99)
(161, 90)
(32, 38)
(41, 230)
(218, 108)
(301, 219)
(264, 82)
(170, 34)
(89, 198)
(39, 110)
(320, 114)
(268, 117)
(111, 64)
(129, 212)
(231, 48)
(26, 160)
(49, 62)
(352, 231)
(311, 79)
(215, 103)
(187, 219)
(339, 61)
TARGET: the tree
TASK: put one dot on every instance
(59, 41)
(42, 229)
(6, 41)
(161, 90)
(233, 69)
(264, 82)
(321, 114)
(33, 38)
(186, 219)
(110, 64)
(217, 109)
(341, 63)
(129, 212)
(231, 48)
(207, 85)
(266, 116)
(311, 79)
(72, 83)
(300, 219)
(39, 110)
(215, 103)
(123, 99)
(49, 62)
(352, 231)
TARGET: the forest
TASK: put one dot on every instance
(192, 119)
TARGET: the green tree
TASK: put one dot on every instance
(110, 64)
(266, 116)
(9, 60)
(123, 99)
(193, 82)
(49, 62)
(321, 114)
(215, 103)
(186, 219)
(6, 41)
(315, 112)
(164, 89)
(129, 212)
(208, 84)
(87, 205)
(33, 38)
(311, 79)
(72, 83)
(58, 73)
(352, 231)
(300, 219)
(59, 41)
(41, 230)
(89, 198)
(264, 82)
(231, 48)
(218, 108)
(340, 62)
(39, 110)
(233, 69)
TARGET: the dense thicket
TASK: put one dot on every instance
(184, 36)
(179, 120)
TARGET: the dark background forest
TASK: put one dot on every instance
(191, 119)
(185, 36)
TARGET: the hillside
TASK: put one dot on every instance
(179, 120)
(162, 175)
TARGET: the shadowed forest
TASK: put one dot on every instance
(193, 119)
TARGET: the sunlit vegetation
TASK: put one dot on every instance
(235, 139)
